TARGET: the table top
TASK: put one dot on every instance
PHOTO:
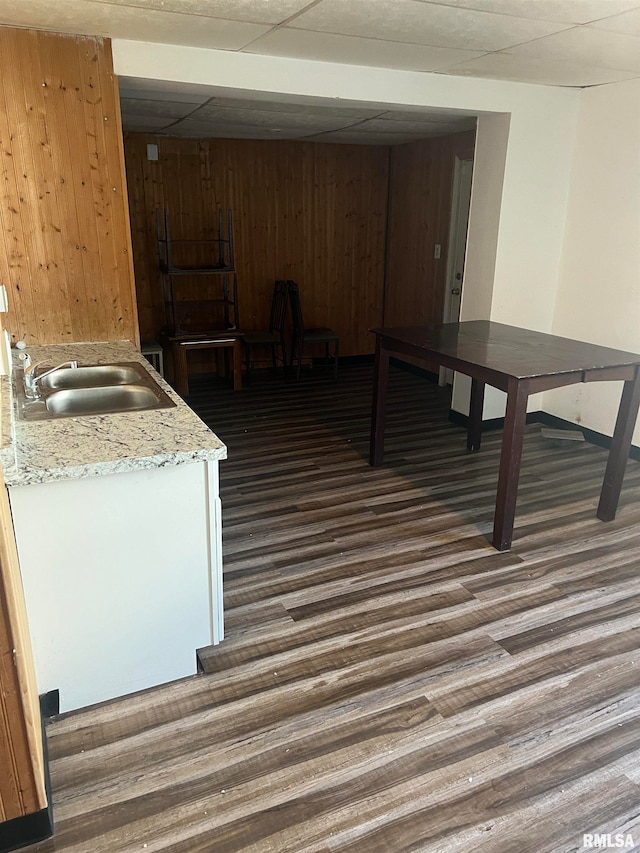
(506, 350)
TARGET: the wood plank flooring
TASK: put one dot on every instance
(389, 682)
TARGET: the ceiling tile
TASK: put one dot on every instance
(356, 137)
(209, 130)
(385, 125)
(504, 66)
(422, 23)
(447, 129)
(163, 90)
(296, 109)
(339, 138)
(586, 46)
(143, 95)
(351, 50)
(446, 36)
(253, 11)
(168, 110)
(430, 114)
(234, 123)
(628, 23)
(264, 118)
(146, 124)
(561, 11)
(127, 22)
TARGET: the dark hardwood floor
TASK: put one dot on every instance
(389, 682)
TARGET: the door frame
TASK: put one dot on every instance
(458, 231)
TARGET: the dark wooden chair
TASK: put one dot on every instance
(272, 337)
(303, 337)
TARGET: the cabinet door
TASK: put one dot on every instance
(22, 789)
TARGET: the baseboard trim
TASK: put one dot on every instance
(590, 435)
(319, 362)
(50, 703)
(26, 830)
(545, 418)
(413, 368)
(487, 425)
(355, 359)
(538, 417)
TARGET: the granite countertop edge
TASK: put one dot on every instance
(96, 445)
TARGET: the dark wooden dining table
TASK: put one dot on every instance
(520, 362)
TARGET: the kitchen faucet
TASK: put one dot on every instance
(30, 378)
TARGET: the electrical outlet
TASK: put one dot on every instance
(152, 152)
(436, 251)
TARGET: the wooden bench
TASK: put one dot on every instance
(179, 346)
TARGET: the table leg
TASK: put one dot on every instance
(474, 430)
(619, 451)
(180, 370)
(237, 365)
(221, 355)
(510, 457)
(379, 405)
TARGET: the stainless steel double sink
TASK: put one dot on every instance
(90, 390)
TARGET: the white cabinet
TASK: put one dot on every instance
(122, 575)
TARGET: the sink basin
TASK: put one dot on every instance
(99, 389)
(101, 400)
(91, 377)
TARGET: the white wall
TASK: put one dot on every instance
(537, 168)
(525, 139)
(599, 292)
(480, 259)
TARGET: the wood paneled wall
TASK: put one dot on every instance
(22, 773)
(65, 253)
(420, 194)
(22, 788)
(315, 213)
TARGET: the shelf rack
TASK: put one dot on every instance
(218, 264)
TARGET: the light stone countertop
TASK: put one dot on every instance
(92, 445)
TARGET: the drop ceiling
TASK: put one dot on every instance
(574, 43)
(204, 112)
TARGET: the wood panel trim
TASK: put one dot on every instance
(129, 286)
(22, 782)
(22, 786)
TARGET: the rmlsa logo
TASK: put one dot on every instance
(606, 840)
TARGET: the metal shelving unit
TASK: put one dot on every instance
(218, 265)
